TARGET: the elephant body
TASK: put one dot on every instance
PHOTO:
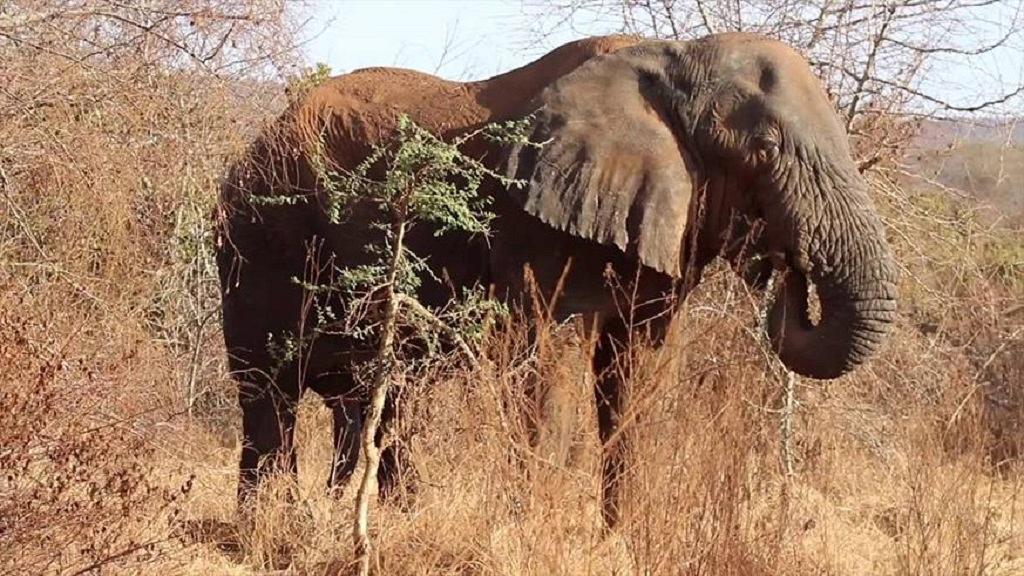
(657, 159)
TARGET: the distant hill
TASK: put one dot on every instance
(983, 159)
(943, 133)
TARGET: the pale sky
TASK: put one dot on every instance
(472, 39)
(484, 37)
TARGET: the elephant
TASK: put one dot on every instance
(657, 157)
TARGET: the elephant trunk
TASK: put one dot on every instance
(855, 281)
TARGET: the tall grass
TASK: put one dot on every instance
(119, 433)
(893, 468)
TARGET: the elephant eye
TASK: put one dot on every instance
(767, 143)
(766, 146)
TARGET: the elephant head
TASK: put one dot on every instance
(667, 150)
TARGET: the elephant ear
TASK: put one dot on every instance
(611, 168)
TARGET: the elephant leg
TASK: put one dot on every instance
(349, 417)
(337, 388)
(395, 476)
(552, 428)
(255, 308)
(611, 400)
(348, 428)
(555, 424)
(348, 425)
(268, 429)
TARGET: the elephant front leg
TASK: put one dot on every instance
(556, 394)
(396, 477)
(268, 429)
(611, 400)
(348, 425)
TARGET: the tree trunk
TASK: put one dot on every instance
(383, 374)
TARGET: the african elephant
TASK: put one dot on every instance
(659, 156)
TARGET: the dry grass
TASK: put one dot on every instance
(894, 471)
(119, 433)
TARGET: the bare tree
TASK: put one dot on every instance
(154, 90)
(116, 119)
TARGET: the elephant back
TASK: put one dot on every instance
(344, 118)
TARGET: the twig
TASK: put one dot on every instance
(420, 310)
(786, 423)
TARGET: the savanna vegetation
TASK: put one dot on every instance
(119, 431)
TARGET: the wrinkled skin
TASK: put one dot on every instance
(660, 156)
